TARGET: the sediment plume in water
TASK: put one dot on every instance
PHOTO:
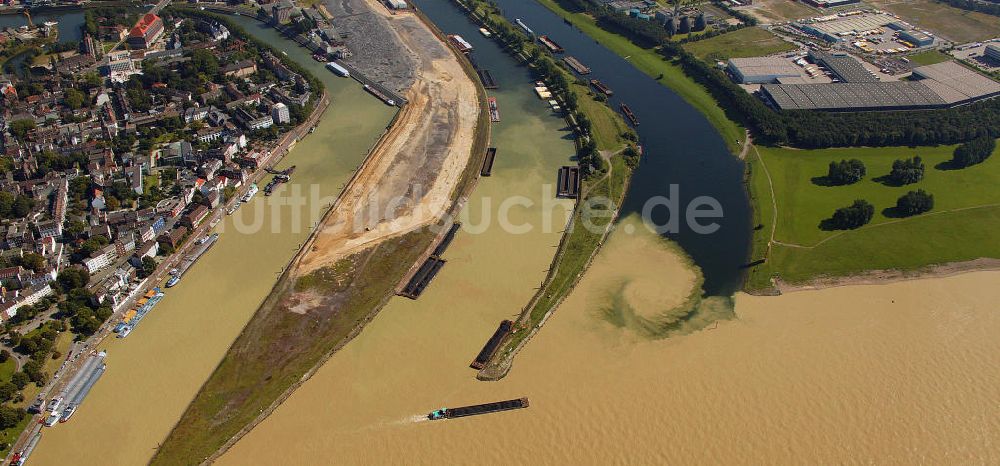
(632, 299)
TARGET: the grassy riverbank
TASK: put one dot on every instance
(965, 215)
(650, 62)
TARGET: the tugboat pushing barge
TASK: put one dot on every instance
(486, 408)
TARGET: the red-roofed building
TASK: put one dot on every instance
(145, 32)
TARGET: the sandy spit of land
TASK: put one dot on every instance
(408, 179)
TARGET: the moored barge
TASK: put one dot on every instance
(494, 111)
(628, 114)
(576, 65)
(491, 346)
(491, 154)
(602, 88)
(550, 44)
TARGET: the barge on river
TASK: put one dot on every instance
(491, 346)
(628, 114)
(491, 155)
(494, 111)
(550, 44)
(460, 43)
(486, 408)
(377, 93)
(576, 65)
(601, 87)
(568, 183)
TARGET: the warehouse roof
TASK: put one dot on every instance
(956, 83)
(846, 67)
(764, 66)
(853, 96)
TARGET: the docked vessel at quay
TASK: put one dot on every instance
(338, 69)
(134, 316)
(202, 245)
(250, 193)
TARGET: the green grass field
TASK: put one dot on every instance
(966, 210)
(953, 23)
(929, 57)
(607, 125)
(746, 42)
(7, 369)
(650, 62)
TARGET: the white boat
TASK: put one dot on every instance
(485, 32)
(338, 70)
(125, 331)
(67, 413)
(525, 27)
(250, 193)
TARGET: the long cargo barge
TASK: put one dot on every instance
(568, 183)
(491, 154)
(602, 88)
(446, 241)
(576, 65)
(628, 114)
(80, 379)
(415, 287)
(494, 111)
(474, 410)
(378, 94)
(75, 401)
(492, 344)
(487, 79)
(550, 44)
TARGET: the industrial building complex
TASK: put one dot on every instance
(942, 85)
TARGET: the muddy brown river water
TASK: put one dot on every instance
(891, 374)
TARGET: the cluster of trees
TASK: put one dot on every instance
(853, 216)
(907, 171)
(813, 129)
(846, 172)
(973, 152)
(94, 18)
(632, 155)
(914, 203)
(990, 7)
(15, 205)
(79, 305)
(21, 128)
(39, 345)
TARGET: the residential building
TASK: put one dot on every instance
(280, 114)
(147, 31)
